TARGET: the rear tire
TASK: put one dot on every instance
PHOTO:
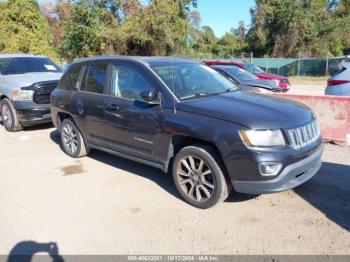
(72, 142)
(9, 116)
(199, 176)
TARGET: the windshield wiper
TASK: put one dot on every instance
(228, 91)
(198, 95)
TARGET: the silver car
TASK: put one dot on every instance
(339, 84)
(246, 80)
(26, 83)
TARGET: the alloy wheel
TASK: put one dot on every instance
(70, 138)
(6, 116)
(195, 178)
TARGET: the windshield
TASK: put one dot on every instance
(253, 69)
(193, 80)
(23, 65)
(239, 73)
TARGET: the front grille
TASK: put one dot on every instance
(284, 81)
(303, 136)
(42, 92)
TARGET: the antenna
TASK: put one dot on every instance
(172, 76)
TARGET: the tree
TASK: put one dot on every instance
(24, 29)
(207, 42)
(160, 29)
(57, 15)
(240, 31)
(287, 27)
(91, 30)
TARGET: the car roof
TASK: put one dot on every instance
(226, 66)
(21, 55)
(148, 60)
(222, 62)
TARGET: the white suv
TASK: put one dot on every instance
(339, 84)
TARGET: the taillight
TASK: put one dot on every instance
(337, 82)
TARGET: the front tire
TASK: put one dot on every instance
(199, 176)
(72, 142)
(9, 116)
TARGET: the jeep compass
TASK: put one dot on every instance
(183, 117)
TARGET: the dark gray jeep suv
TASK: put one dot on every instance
(182, 116)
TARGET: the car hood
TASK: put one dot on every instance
(24, 80)
(268, 84)
(255, 111)
(270, 76)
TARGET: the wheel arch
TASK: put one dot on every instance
(61, 116)
(180, 141)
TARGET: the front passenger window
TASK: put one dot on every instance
(128, 82)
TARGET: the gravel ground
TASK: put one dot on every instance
(103, 204)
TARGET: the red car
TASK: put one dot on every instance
(282, 81)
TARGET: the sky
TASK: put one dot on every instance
(222, 15)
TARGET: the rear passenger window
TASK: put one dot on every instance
(94, 79)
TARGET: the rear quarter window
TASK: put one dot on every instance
(341, 70)
(69, 80)
(73, 77)
(64, 83)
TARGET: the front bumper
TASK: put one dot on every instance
(30, 113)
(291, 177)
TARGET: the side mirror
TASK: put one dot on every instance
(150, 97)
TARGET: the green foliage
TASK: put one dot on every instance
(81, 37)
(24, 29)
(161, 29)
(82, 28)
(287, 27)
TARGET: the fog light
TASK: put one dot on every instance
(269, 168)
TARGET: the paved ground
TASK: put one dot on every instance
(103, 204)
(308, 85)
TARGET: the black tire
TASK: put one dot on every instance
(9, 116)
(72, 142)
(204, 186)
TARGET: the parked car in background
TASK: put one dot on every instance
(246, 79)
(281, 81)
(180, 115)
(26, 83)
(339, 84)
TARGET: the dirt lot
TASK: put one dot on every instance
(103, 204)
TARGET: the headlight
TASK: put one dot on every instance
(22, 95)
(262, 138)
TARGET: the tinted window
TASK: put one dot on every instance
(64, 82)
(73, 77)
(341, 70)
(253, 69)
(128, 82)
(23, 65)
(94, 79)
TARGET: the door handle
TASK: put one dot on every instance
(112, 107)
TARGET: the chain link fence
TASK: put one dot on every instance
(295, 66)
